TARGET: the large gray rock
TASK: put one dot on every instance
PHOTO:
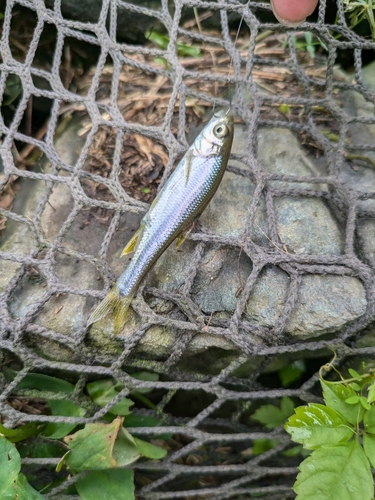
(306, 225)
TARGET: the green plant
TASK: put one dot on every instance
(101, 451)
(341, 436)
(358, 11)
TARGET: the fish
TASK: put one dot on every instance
(173, 212)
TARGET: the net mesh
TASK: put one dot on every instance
(208, 452)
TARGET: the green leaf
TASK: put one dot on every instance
(64, 408)
(113, 484)
(371, 394)
(141, 421)
(45, 383)
(335, 472)
(316, 425)
(364, 403)
(147, 376)
(271, 416)
(91, 448)
(158, 39)
(369, 420)
(125, 450)
(13, 484)
(355, 375)
(262, 445)
(188, 50)
(42, 449)
(149, 450)
(103, 391)
(10, 465)
(335, 396)
(290, 373)
(369, 447)
(21, 490)
(353, 400)
(295, 451)
(355, 386)
(20, 433)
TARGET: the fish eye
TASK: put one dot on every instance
(220, 131)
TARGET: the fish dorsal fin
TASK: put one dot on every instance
(189, 159)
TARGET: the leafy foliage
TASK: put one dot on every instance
(272, 416)
(102, 449)
(339, 466)
(360, 10)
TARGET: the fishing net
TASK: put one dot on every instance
(133, 108)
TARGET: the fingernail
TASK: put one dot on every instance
(286, 22)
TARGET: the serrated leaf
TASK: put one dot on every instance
(271, 416)
(64, 408)
(369, 420)
(114, 484)
(91, 448)
(103, 391)
(316, 425)
(369, 447)
(335, 472)
(371, 394)
(335, 396)
(292, 372)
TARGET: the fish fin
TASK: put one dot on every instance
(107, 305)
(180, 239)
(154, 202)
(113, 301)
(121, 313)
(132, 243)
(189, 158)
(182, 236)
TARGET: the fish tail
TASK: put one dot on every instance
(115, 302)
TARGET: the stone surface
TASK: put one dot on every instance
(306, 225)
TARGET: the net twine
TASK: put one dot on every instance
(240, 479)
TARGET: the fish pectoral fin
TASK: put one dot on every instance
(132, 243)
(182, 236)
(112, 302)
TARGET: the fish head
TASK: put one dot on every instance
(217, 136)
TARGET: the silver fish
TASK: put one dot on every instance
(182, 199)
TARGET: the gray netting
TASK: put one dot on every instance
(220, 425)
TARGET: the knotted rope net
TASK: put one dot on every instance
(273, 85)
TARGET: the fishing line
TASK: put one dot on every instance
(234, 47)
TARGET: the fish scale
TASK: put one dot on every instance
(182, 199)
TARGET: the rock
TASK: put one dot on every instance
(326, 304)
